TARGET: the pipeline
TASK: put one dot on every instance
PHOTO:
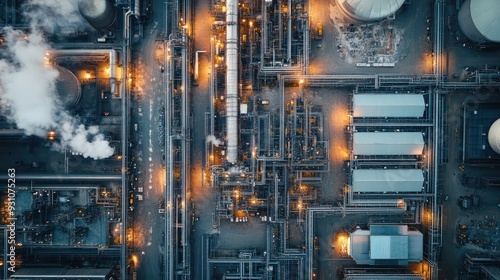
(232, 79)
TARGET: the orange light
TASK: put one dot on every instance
(51, 135)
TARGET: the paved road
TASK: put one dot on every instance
(148, 152)
(202, 197)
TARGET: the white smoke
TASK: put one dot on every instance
(28, 86)
(77, 137)
(54, 15)
(214, 140)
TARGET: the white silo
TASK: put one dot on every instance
(494, 136)
(370, 10)
(479, 20)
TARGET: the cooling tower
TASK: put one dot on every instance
(369, 10)
(479, 20)
(99, 13)
(494, 136)
(67, 87)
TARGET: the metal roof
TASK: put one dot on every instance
(62, 273)
(386, 245)
(415, 246)
(388, 143)
(370, 10)
(388, 105)
(387, 180)
(486, 17)
(377, 276)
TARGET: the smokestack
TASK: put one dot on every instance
(232, 79)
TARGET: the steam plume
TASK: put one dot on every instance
(214, 140)
(29, 87)
(52, 15)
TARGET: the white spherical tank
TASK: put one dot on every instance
(494, 136)
(369, 10)
(479, 20)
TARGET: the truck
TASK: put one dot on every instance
(161, 207)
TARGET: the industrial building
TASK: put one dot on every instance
(353, 273)
(386, 245)
(388, 105)
(387, 180)
(387, 143)
(64, 273)
(479, 130)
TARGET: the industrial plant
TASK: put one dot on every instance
(244, 139)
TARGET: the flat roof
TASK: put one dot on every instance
(388, 105)
(382, 277)
(388, 143)
(386, 245)
(387, 180)
(62, 273)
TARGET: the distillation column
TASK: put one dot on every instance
(232, 79)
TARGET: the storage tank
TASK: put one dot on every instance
(479, 20)
(369, 10)
(494, 136)
(99, 13)
(68, 88)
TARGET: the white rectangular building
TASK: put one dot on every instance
(388, 143)
(387, 180)
(386, 245)
(388, 105)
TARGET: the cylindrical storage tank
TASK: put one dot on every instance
(99, 13)
(369, 10)
(479, 20)
(494, 136)
(68, 88)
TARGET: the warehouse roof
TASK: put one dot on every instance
(387, 180)
(388, 143)
(62, 273)
(388, 105)
(386, 245)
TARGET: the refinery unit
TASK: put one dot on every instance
(270, 139)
